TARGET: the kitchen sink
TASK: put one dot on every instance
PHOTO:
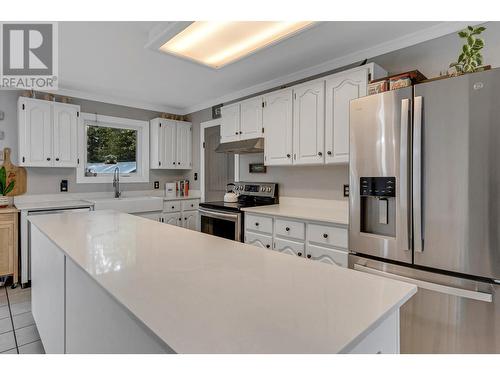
(129, 204)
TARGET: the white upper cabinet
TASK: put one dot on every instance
(340, 90)
(278, 127)
(47, 133)
(251, 118)
(230, 123)
(309, 123)
(65, 134)
(170, 144)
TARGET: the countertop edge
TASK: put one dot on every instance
(257, 210)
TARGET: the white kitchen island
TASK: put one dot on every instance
(109, 282)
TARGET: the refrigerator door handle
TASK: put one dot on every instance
(454, 291)
(403, 174)
(417, 176)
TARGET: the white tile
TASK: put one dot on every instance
(32, 348)
(7, 341)
(5, 325)
(23, 320)
(26, 335)
(11, 351)
(20, 308)
(24, 296)
(4, 312)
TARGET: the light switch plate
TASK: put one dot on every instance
(2, 135)
(2, 115)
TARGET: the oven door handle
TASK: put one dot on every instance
(218, 215)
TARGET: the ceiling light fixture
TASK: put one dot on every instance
(219, 43)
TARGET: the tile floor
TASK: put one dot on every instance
(18, 333)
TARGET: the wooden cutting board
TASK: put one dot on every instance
(14, 173)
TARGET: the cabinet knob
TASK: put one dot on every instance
(173, 162)
(236, 133)
(325, 235)
(185, 218)
(320, 153)
(287, 229)
(268, 246)
(288, 155)
(241, 132)
(57, 159)
(329, 152)
(48, 159)
(308, 256)
(173, 207)
(299, 254)
(180, 219)
(192, 205)
(256, 224)
(179, 162)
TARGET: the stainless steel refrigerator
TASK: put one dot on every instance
(424, 202)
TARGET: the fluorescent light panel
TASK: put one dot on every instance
(219, 43)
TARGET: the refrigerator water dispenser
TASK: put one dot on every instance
(378, 205)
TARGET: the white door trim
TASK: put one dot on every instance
(203, 126)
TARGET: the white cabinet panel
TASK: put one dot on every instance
(327, 235)
(172, 219)
(309, 123)
(340, 90)
(189, 204)
(190, 220)
(289, 228)
(251, 118)
(326, 255)
(230, 123)
(170, 145)
(35, 132)
(278, 127)
(184, 155)
(172, 206)
(289, 247)
(259, 240)
(259, 223)
(65, 134)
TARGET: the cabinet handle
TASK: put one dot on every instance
(185, 218)
(320, 153)
(173, 162)
(325, 235)
(287, 229)
(236, 133)
(57, 159)
(192, 205)
(241, 132)
(287, 155)
(179, 163)
(268, 246)
(308, 256)
(180, 219)
(329, 152)
(299, 254)
(173, 207)
(256, 224)
(48, 159)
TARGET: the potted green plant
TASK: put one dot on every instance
(470, 59)
(5, 188)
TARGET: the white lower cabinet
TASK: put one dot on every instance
(183, 213)
(190, 220)
(323, 242)
(172, 219)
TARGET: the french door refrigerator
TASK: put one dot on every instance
(424, 206)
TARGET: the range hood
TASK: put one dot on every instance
(248, 146)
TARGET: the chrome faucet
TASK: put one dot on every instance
(116, 182)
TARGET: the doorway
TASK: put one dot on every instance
(218, 168)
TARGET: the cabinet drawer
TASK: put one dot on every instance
(326, 255)
(289, 247)
(172, 206)
(258, 240)
(189, 205)
(259, 223)
(289, 228)
(326, 235)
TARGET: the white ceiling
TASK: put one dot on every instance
(108, 61)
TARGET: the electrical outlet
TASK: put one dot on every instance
(157, 184)
(64, 185)
(346, 190)
(2, 115)
(196, 176)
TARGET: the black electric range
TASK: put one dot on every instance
(226, 219)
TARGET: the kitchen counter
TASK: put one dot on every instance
(329, 211)
(203, 294)
(179, 198)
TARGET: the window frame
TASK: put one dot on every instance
(142, 128)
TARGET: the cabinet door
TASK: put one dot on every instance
(251, 118)
(169, 143)
(6, 248)
(258, 240)
(172, 219)
(156, 145)
(289, 247)
(230, 123)
(190, 220)
(184, 154)
(340, 90)
(35, 133)
(65, 117)
(278, 128)
(329, 256)
(309, 123)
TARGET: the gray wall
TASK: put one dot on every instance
(47, 180)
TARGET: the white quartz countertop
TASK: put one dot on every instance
(50, 205)
(329, 211)
(204, 294)
(179, 198)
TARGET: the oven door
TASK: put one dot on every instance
(221, 224)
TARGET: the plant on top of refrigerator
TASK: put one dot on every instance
(470, 59)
